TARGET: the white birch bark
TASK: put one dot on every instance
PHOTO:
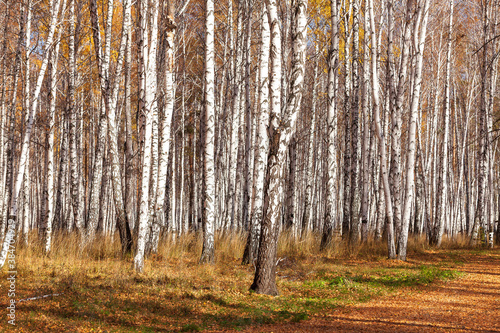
(365, 151)
(397, 110)
(102, 62)
(168, 109)
(381, 136)
(71, 109)
(50, 149)
(26, 181)
(262, 145)
(112, 104)
(331, 189)
(150, 107)
(208, 251)
(410, 162)
(442, 190)
(235, 125)
(281, 131)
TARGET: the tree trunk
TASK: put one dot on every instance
(208, 252)
(262, 146)
(331, 190)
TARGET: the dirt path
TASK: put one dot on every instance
(470, 303)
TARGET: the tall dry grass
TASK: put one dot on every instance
(186, 249)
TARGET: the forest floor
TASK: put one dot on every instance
(339, 291)
(470, 303)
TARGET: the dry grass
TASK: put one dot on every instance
(101, 291)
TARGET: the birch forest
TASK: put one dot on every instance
(356, 121)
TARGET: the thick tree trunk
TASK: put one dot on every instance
(281, 131)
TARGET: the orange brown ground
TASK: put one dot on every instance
(470, 303)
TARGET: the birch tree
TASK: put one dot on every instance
(262, 145)
(381, 135)
(207, 255)
(439, 223)
(149, 53)
(331, 190)
(281, 131)
(410, 162)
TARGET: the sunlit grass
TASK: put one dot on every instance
(100, 290)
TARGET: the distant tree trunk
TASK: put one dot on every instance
(248, 119)
(122, 223)
(365, 150)
(439, 217)
(50, 149)
(207, 255)
(130, 170)
(348, 152)
(290, 187)
(71, 110)
(354, 198)
(3, 125)
(309, 166)
(235, 125)
(26, 107)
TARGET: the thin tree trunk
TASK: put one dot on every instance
(150, 108)
(331, 189)
(208, 252)
(262, 146)
(410, 162)
(380, 134)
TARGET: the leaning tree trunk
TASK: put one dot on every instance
(122, 223)
(281, 131)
